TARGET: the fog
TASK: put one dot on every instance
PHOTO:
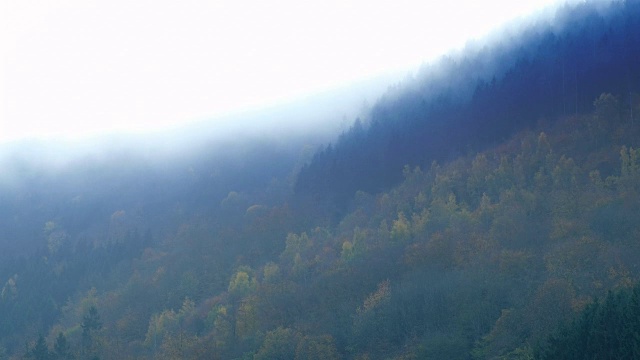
(252, 149)
(312, 120)
(80, 182)
(529, 72)
(441, 207)
(77, 69)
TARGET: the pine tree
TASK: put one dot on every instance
(40, 351)
(61, 348)
(90, 324)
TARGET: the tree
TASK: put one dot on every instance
(317, 347)
(400, 229)
(61, 348)
(242, 283)
(604, 330)
(630, 159)
(40, 351)
(179, 346)
(607, 108)
(279, 343)
(91, 323)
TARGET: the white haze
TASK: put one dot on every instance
(73, 68)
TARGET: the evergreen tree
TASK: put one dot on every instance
(90, 324)
(62, 348)
(607, 330)
(40, 351)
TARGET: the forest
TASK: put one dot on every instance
(486, 208)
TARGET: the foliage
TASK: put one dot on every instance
(603, 330)
(475, 100)
(480, 255)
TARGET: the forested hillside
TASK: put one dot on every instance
(492, 215)
(478, 98)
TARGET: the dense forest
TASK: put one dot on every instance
(488, 208)
(478, 98)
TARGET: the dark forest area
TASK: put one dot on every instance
(477, 99)
(486, 208)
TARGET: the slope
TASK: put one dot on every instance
(469, 101)
(480, 258)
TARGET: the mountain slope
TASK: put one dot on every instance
(480, 97)
(477, 256)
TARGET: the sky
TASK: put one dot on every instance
(72, 68)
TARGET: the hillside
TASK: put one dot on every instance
(478, 98)
(477, 212)
(481, 257)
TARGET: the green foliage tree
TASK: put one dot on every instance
(180, 345)
(630, 166)
(607, 108)
(370, 324)
(223, 328)
(90, 325)
(321, 347)
(401, 228)
(604, 330)
(39, 351)
(91, 322)
(278, 344)
(62, 348)
(242, 283)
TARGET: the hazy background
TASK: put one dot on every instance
(74, 68)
